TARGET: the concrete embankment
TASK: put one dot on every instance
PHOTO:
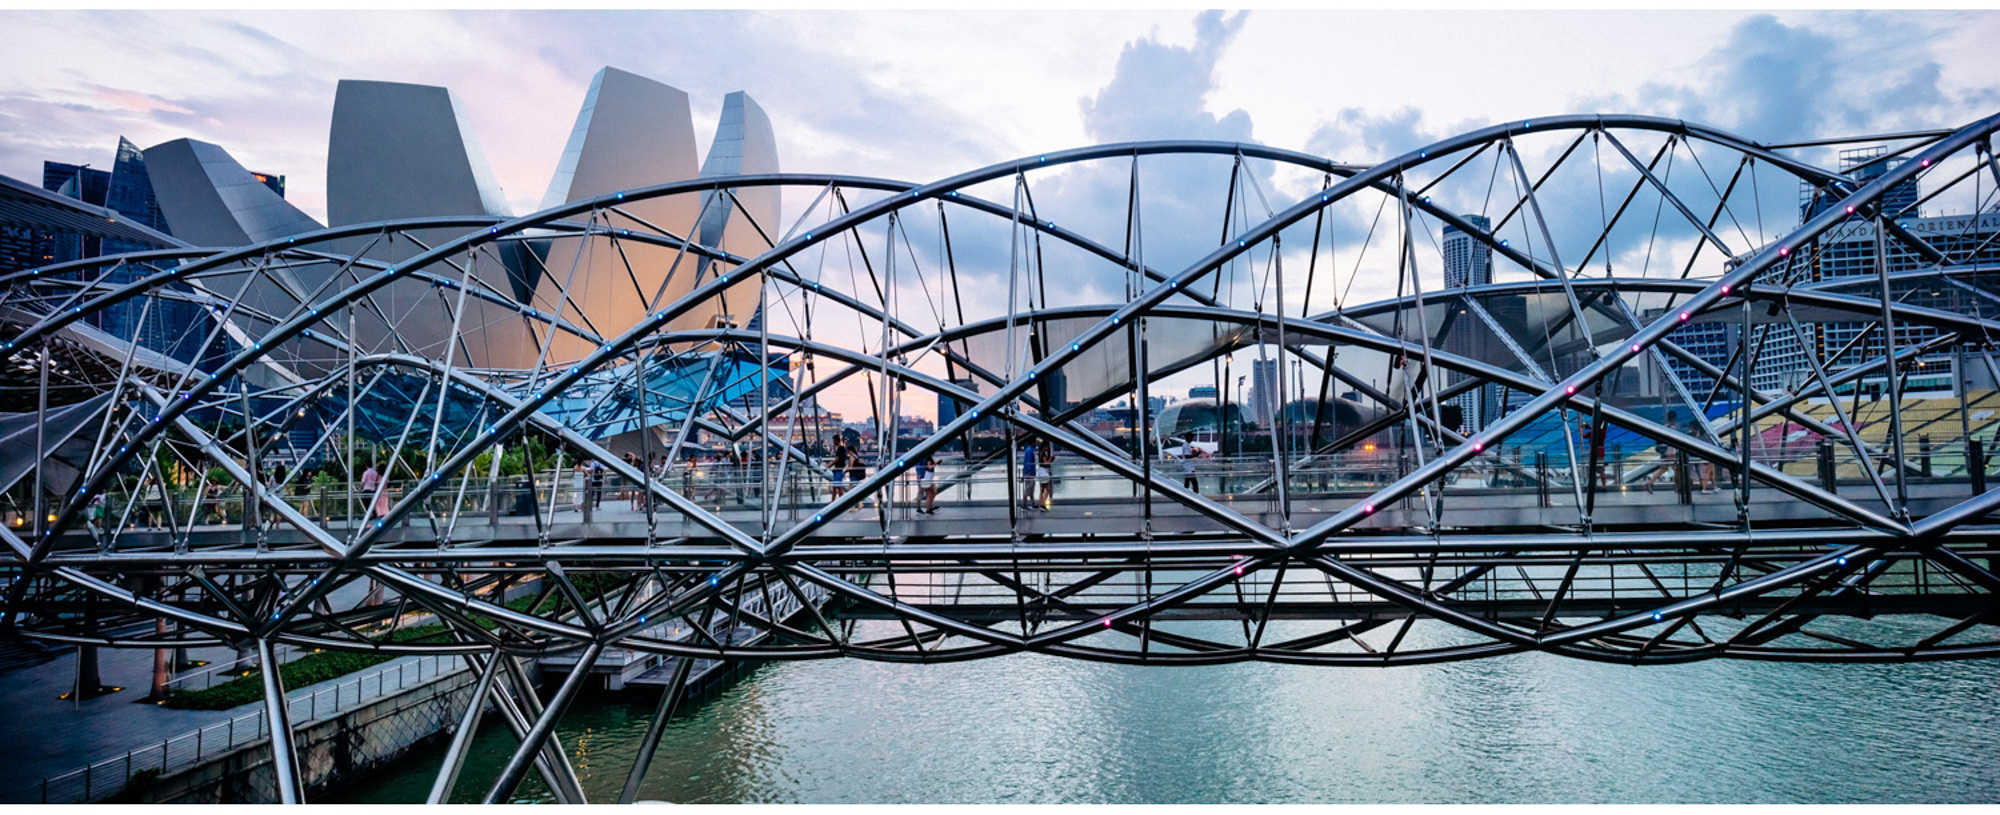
(333, 751)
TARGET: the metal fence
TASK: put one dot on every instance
(209, 676)
(99, 780)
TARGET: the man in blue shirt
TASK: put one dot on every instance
(1028, 474)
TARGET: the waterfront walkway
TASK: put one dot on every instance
(70, 735)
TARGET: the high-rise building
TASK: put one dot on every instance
(1264, 394)
(131, 189)
(1862, 165)
(77, 181)
(84, 184)
(1467, 262)
(271, 181)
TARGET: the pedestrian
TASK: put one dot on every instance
(1661, 451)
(737, 474)
(927, 485)
(373, 483)
(381, 496)
(633, 490)
(1704, 470)
(1598, 464)
(1028, 459)
(1185, 463)
(856, 468)
(1046, 473)
(839, 470)
(579, 484)
(97, 507)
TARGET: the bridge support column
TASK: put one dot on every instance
(1542, 478)
(1683, 484)
(531, 744)
(1975, 463)
(284, 761)
(454, 756)
(669, 698)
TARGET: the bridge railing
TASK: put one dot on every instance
(1632, 581)
(471, 502)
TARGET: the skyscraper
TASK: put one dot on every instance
(1467, 262)
(131, 189)
(1862, 165)
(1264, 393)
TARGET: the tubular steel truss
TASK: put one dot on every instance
(375, 444)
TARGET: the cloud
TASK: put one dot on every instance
(134, 101)
(1774, 82)
(1159, 89)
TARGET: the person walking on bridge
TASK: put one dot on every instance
(1185, 463)
(1045, 472)
(842, 458)
(1028, 458)
(927, 488)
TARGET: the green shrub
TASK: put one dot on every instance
(311, 669)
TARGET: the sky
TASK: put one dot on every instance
(919, 95)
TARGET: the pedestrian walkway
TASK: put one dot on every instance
(100, 743)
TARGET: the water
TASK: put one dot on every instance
(1525, 728)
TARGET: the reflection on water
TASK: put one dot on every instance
(1516, 729)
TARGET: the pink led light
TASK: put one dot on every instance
(1684, 316)
(1368, 510)
(1924, 163)
(1784, 250)
(1571, 390)
(1850, 209)
(1636, 349)
(1239, 570)
(1478, 446)
(1107, 622)
(1725, 289)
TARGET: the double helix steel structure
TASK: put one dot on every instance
(1692, 422)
